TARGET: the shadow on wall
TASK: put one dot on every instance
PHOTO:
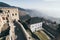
(5, 33)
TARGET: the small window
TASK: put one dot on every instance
(29, 37)
(12, 14)
(1, 11)
(3, 18)
(8, 11)
(15, 13)
(8, 15)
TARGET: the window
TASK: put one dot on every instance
(3, 18)
(7, 15)
(32, 26)
(29, 37)
(8, 11)
(12, 14)
(35, 29)
(1, 11)
(15, 13)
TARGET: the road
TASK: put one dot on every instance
(19, 32)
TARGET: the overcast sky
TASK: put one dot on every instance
(49, 7)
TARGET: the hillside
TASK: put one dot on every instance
(32, 13)
(4, 4)
(35, 13)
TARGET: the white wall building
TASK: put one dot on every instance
(36, 26)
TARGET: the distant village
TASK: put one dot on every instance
(12, 20)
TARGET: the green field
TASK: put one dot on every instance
(41, 35)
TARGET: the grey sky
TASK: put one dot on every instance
(49, 7)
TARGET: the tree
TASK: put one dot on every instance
(58, 28)
(54, 22)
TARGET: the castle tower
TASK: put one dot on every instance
(10, 12)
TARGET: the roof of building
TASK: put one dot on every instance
(24, 18)
(34, 20)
